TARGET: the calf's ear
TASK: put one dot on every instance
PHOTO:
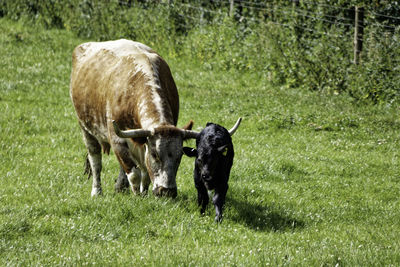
(190, 152)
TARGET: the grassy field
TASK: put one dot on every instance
(315, 181)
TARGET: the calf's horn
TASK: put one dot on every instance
(131, 133)
(235, 127)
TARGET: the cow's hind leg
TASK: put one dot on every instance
(122, 182)
(94, 158)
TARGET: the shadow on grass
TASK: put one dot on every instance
(263, 218)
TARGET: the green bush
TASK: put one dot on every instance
(377, 78)
(308, 46)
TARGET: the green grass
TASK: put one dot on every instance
(315, 181)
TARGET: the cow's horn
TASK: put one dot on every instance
(187, 134)
(131, 133)
(235, 127)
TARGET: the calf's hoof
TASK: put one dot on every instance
(202, 211)
(218, 218)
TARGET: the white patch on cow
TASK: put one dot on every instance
(155, 85)
(121, 48)
(146, 121)
(147, 64)
(161, 180)
(95, 164)
(166, 170)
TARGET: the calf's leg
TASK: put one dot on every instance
(202, 194)
(219, 201)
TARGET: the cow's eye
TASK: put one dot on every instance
(199, 161)
(155, 156)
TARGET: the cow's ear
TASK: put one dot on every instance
(188, 126)
(223, 149)
(190, 152)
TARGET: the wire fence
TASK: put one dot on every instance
(302, 43)
(315, 18)
(282, 15)
(290, 11)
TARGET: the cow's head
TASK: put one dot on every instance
(163, 154)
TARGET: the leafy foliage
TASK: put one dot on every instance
(307, 45)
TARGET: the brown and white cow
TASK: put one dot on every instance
(126, 85)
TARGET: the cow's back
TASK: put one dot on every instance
(113, 81)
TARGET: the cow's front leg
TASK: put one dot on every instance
(219, 201)
(133, 173)
(145, 182)
(134, 178)
(122, 181)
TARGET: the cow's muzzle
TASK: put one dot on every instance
(167, 192)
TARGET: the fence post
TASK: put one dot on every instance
(358, 33)
(231, 8)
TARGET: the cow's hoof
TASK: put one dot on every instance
(135, 190)
(121, 189)
(144, 192)
(167, 192)
(96, 192)
(121, 186)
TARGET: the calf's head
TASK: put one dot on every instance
(214, 152)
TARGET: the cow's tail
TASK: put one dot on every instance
(88, 169)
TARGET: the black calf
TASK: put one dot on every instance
(214, 159)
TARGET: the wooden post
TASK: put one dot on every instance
(358, 33)
(231, 8)
(295, 19)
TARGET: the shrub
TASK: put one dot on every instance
(309, 45)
